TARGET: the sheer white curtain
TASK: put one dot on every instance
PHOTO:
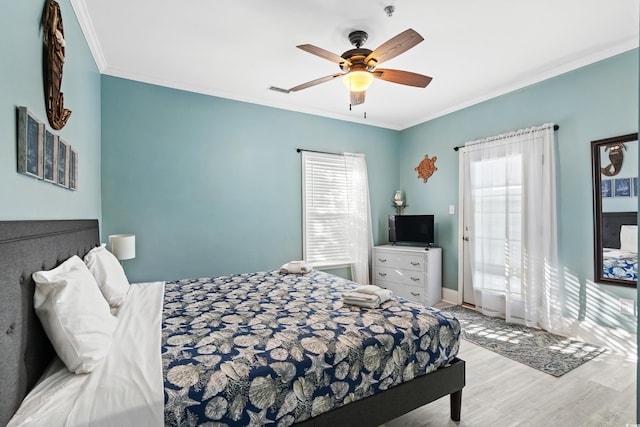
(359, 209)
(336, 212)
(510, 200)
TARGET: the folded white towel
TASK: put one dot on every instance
(367, 296)
(295, 267)
(361, 302)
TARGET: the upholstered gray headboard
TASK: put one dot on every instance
(611, 223)
(26, 247)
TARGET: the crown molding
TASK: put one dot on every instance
(82, 14)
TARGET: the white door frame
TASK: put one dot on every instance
(461, 154)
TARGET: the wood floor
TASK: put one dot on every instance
(501, 392)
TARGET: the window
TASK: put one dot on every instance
(496, 196)
(325, 210)
(337, 213)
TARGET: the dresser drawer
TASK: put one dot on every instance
(413, 273)
(403, 261)
(397, 275)
(412, 293)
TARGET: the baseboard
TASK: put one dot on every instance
(450, 296)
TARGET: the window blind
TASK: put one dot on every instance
(325, 210)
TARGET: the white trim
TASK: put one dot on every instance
(460, 227)
(608, 52)
(451, 296)
(84, 19)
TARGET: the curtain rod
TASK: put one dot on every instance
(555, 127)
(300, 150)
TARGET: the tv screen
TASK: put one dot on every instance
(416, 229)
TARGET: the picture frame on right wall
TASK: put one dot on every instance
(606, 188)
(622, 187)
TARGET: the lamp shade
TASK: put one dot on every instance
(357, 81)
(123, 246)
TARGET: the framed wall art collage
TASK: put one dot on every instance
(43, 154)
(620, 187)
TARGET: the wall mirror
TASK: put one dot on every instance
(615, 209)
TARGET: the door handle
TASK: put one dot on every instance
(465, 238)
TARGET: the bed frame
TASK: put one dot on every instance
(25, 351)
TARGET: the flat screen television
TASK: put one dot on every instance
(411, 229)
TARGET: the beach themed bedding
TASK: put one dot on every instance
(249, 349)
(275, 349)
(620, 264)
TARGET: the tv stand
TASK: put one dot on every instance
(412, 272)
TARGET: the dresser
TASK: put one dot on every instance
(414, 273)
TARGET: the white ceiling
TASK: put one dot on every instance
(473, 49)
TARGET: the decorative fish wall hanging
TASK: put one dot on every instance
(616, 157)
(54, 56)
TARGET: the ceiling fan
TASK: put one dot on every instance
(359, 64)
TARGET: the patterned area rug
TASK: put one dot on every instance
(553, 354)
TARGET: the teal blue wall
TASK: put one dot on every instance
(212, 186)
(21, 85)
(594, 102)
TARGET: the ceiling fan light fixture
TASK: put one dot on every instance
(357, 81)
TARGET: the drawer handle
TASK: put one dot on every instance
(415, 279)
(415, 294)
(382, 259)
(415, 263)
(382, 274)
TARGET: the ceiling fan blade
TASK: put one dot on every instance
(314, 82)
(324, 54)
(357, 97)
(394, 47)
(402, 77)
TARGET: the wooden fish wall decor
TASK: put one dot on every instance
(426, 168)
(53, 61)
(616, 156)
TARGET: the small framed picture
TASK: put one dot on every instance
(73, 169)
(30, 143)
(622, 187)
(62, 177)
(635, 187)
(50, 153)
(606, 188)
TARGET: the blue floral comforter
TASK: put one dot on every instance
(275, 349)
(620, 264)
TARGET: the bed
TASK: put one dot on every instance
(328, 386)
(620, 246)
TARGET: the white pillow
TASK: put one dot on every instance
(109, 274)
(74, 314)
(629, 238)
